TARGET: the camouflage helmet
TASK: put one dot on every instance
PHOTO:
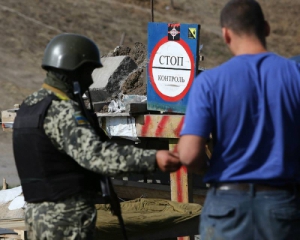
(69, 51)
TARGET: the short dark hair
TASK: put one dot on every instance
(244, 17)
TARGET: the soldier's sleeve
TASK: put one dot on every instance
(71, 133)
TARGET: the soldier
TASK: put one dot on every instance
(59, 155)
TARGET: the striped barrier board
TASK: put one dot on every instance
(159, 126)
(168, 126)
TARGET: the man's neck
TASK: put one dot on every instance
(247, 45)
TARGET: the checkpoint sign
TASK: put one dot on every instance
(171, 69)
(172, 61)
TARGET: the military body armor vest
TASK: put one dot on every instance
(46, 173)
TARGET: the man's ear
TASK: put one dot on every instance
(267, 29)
(226, 35)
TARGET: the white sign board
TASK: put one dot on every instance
(171, 69)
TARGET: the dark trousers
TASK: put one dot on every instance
(253, 215)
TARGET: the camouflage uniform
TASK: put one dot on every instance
(74, 218)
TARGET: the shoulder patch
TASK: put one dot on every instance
(80, 119)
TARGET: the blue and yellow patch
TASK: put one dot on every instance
(80, 119)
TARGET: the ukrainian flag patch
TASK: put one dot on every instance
(80, 119)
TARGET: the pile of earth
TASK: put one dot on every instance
(136, 83)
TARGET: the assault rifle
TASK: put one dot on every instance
(107, 189)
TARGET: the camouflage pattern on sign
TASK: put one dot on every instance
(81, 142)
(73, 218)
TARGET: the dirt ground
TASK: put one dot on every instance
(27, 26)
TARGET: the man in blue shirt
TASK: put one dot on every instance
(251, 106)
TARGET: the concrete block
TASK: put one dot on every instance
(108, 80)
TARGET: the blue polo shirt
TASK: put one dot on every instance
(251, 106)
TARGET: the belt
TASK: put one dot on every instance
(254, 186)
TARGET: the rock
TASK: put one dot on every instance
(108, 80)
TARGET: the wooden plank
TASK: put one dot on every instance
(134, 108)
(13, 224)
(130, 109)
(21, 233)
(103, 115)
(159, 126)
(181, 185)
(17, 226)
(10, 236)
(133, 190)
(181, 181)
